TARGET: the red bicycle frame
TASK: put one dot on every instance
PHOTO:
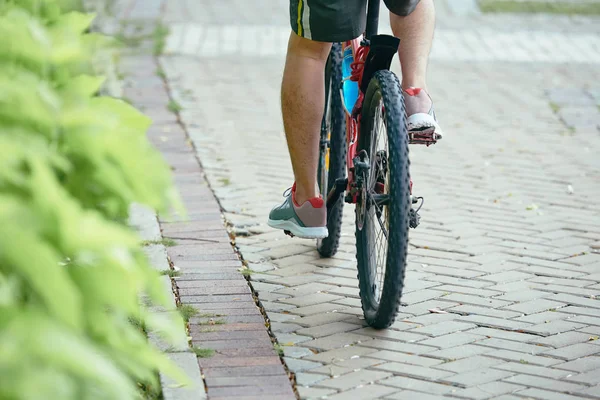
(360, 51)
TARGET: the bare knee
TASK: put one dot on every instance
(402, 8)
(302, 47)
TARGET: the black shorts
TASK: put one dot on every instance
(337, 20)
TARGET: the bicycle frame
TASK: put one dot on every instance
(370, 53)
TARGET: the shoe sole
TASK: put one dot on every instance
(296, 230)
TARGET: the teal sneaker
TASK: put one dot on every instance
(308, 221)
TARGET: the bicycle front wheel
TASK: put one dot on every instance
(382, 212)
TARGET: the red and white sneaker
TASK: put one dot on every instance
(421, 120)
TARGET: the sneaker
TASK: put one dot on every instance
(308, 220)
(421, 125)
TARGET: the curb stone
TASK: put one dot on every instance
(145, 222)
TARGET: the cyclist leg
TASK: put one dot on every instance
(315, 25)
(413, 21)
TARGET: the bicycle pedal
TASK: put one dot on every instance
(423, 137)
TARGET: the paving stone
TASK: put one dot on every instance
(574, 351)
(336, 355)
(354, 379)
(290, 339)
(563, 339)
(459, 352)
(508, 276)
(293, 270)
(512, 346)
(542, 317)
(296, 352)
(543, 383)
(327, 329)
(528, 369)
(407, 383)
(411, 395)
(411, 348)
(469, 364)
(593, 391)
(451, 340)
(307, 379)
(581, 364)
(508, 355)
(535, 306)
(346, 366)
(494, 322)
(477, 377)
(284, 327)
(413, 371)
(276, 306)
(516, 336)
(476, 300)
(320, 319)
(575, 300)
(365, 392)
(280, 317)
(553, 327)
(489, 312)
(317, 309)
(311, 299)
(465, 290)
(296, 365)
(443, 328)
(588, 378)
(427, 319)
(313, 393)
(400, 336)
(404, 358)
(573, 310)
(336, 341)
(586, 320)
(473, 283)
(424, 307)
(487, 390)
(301, 290)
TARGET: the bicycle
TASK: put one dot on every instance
(362, 96)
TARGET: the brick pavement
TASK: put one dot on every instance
(507, 244)
(506, 255)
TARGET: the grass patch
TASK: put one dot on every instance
(170, 272)
(161, 73)
(150, 392)
(247, 271)
(212, 322)
(208, 315)
(174, 106)
(560, 7)
(225, 181)
(203, 353)
(164, 242)
(187, 311)
(555, 107)
(160, 37)
(279, 349)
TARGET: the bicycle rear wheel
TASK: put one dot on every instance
(332, 155)
(382, 212)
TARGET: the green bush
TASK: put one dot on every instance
(71, 271)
